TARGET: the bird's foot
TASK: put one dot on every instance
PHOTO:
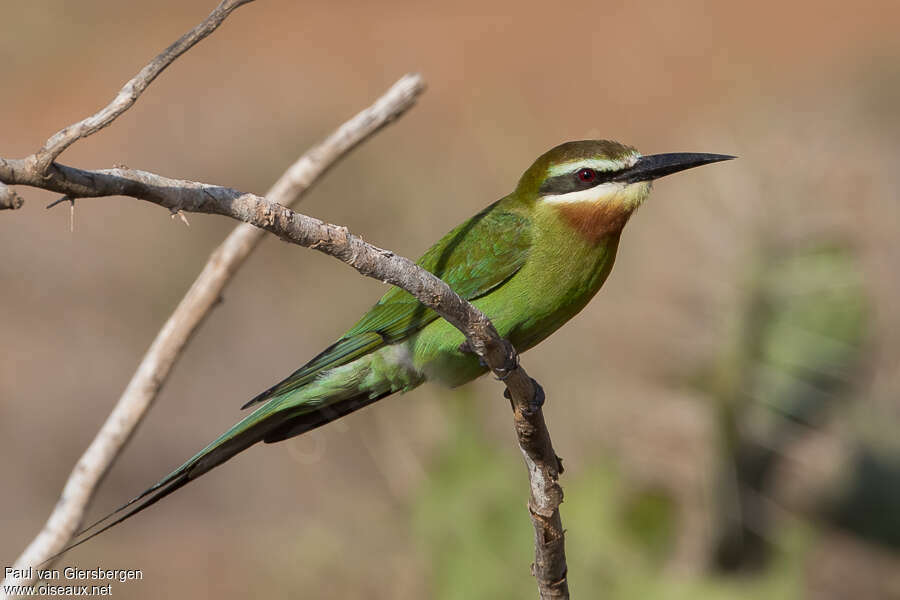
(537, 400)
(510, 365)
(502, 373)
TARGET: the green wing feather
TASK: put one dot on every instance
(478, 256)
(474, 259)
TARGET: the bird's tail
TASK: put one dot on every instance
(271, 422)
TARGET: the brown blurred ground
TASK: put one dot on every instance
(805, 93)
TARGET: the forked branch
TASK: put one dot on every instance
(132, 90)
(271, 213)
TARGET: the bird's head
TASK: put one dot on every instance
(596, 184)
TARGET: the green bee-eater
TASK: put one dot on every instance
(530, 262)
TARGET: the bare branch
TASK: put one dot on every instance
(191, 196)
(370, 261)
(271, 214)
(190, 313)
(544, 469)
(130, 92)
(9, 199)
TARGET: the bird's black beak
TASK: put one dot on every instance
(655, 166)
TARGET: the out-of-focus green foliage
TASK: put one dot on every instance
(472, 520)
(811, 329)
(797, 346)
(797, 342)
(649, 516)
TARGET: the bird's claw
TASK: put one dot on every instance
(536, 401)
(503, 373)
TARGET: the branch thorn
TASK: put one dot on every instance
(180, 213)
(60, 201)
(71, 202)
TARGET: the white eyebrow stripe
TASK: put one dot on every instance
(598, 164)
(594, 194)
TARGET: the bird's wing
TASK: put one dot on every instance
(478, 256)
(475, 258)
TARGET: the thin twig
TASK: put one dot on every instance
(190, 313)
(130, 92)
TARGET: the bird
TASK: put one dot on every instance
(530, 262)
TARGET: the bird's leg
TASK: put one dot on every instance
(503, 373)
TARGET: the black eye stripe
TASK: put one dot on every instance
(570, 182)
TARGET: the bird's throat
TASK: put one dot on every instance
(595, 222)
(604, 215)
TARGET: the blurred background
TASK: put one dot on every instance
(727, 407)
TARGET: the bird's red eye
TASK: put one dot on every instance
(587, 175)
